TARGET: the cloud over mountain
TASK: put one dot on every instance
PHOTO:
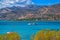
(22, 3)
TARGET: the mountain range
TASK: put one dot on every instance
(51, 12)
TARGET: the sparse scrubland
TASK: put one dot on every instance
(47, 35)
(10, 36)
(40, 35)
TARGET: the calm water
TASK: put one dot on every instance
(25, 29)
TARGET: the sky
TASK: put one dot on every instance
(4, 3)
(46, 2)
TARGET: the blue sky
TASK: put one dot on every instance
(40, 2)
(4, 3)
(46, 2)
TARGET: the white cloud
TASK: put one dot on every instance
(23, 0)
(29, 2)
(12, 2)
(17, 0)
(20, 5)
(8, 1)
(5, 3)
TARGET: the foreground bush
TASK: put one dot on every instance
(32, 37)
(47, 35)
(10, 36)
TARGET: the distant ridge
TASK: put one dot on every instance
(31, 11)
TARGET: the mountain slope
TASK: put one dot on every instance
(31, 11)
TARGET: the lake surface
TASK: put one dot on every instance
(26, 28)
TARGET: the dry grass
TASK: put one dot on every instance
(47, 35)
(11, 36)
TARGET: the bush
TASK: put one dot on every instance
(47, 35)
(32, 37)
(10, 36)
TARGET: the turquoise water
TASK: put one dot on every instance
(24, 29)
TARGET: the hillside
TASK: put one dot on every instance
(31, 11)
